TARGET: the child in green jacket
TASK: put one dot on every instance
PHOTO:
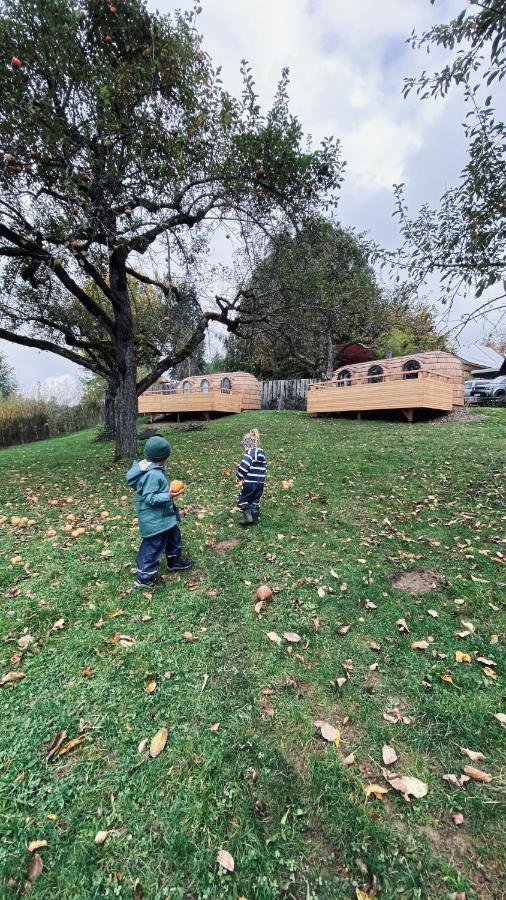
(157, 515)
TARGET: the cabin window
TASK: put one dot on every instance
(204, 386)
(226, 385)
(374, 374)
(411, 368)
(344, 378)
(187, 388)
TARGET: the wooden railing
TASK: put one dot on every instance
(386, 377)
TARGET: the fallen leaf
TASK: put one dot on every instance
(363, 895)
(462, 657)
(36, 845)
(56, 744)
(485, 662)
(489, 673)
(259, 606)
(343, 587)
(373, 667)
(433, 613)
(349, 760)
(402, 626)
(87, 672)
(58, 625)
(158, 743)
(340, 682)
(328, 732)
(494, 639)
(142, 745)
(126, 641)
(406, 785)
(458, 818)
(25, 641)
(468, 626)
(477, 774)
(420, 645)
(274, 637)
(389, 755)
(374, 646)
(370, 605)
(226, 860)
(375, 789)
(75, 742)
(448, 679)
(344, 629)
(12, 676)
(215, 727)
(286, 484)
(150, 687)
(291, 636)
(264, 593)
(473, 755)
(317, 623)
(321, 592)
(501, 718)
(101, 837)
(15, 560)
(35, 868)
(189, 636)
(115, 613)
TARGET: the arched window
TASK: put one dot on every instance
(411, 368)
(226, 385)
(187, 388)
(375, 373)
(344, 378)
(204, 386)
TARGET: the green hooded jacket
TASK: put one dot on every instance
(155, 507)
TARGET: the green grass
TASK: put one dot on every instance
(368, 501)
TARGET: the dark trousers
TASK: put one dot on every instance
(152, 550)
(249, 498)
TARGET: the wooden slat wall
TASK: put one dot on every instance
(412, 393)
(285, 394)
(243, 384)
(214, 401)
(432, 360)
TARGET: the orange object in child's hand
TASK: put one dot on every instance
(176, 487)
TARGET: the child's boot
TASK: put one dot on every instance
(246, 518)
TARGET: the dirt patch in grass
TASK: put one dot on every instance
(459, 849)
(224, 546)
(459, 414)
(418, 582)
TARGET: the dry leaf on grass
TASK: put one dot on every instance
(468, 626)
(274, 637)
(501, 718)
(328, 732)
(374, 646)
(402, 625)
(35, 868)
(458, 818)
(291, 636)
(473, 755)
(226, 860)
(363, 895)
(87, 672)
(462, 657)
(158, 742)
(264, 593)
(406, 785)
(58, 625)
(489, 673)
(477, 774)
(36, 845)
(433, 614)
(376, 789)
(215, 727)
(189, 636)
(56, 744)
(101, 837)
(458, 782)
(448, 679)
(370, 605)
(420, 645)
(344, 629)
(486, 662)
(25, 641)
(349, 760)
(9, 677)
(150, 688)
(75, 742)
(389, 755)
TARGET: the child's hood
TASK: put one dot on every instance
(138, 472)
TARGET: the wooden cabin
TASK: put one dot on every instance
(224, 392)
(433, 380)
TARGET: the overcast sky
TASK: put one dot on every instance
(347, 61)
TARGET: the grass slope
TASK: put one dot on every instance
(368, 500)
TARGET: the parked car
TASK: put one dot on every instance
(469, 390)
(494, 388)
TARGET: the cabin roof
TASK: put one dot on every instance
(426, 356)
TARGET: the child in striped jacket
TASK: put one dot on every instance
(251, 472)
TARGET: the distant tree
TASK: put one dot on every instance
(217, 363)
(8, 384)
(406, 324)
(464, 239)
(116, 132)
(497, 343)
(308, 291)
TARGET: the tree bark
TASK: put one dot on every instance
(126, 403)
(110, 406)
(330, 355)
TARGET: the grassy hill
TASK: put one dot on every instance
(244, 769)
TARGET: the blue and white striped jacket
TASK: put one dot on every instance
(253, 467)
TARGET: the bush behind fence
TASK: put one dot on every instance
(23, 420)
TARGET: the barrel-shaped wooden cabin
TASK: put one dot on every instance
(224, 392)
(433, 380)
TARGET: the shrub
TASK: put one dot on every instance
(23, 420)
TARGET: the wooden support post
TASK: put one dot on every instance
(178, 418)
(408, 413)
(359, 417)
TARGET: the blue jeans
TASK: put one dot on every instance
(249, 498)
(152, 550)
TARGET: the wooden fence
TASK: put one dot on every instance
(290, 394)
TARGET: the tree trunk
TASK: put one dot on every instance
(110, 406)
(126, 409)
(126, 403)
(330, 355)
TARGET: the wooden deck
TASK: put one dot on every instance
(428, 390)
(177, 402)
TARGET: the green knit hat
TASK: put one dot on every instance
(157, 449)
